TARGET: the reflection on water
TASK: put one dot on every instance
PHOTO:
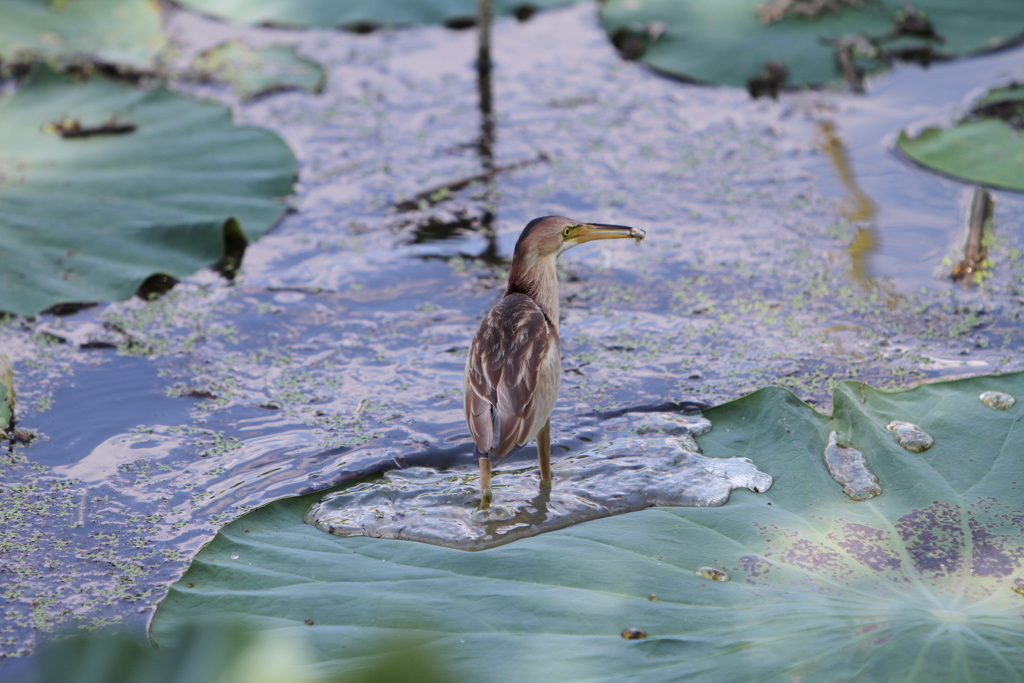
(653, 461)
(860, 210)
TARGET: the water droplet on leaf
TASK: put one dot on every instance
(713, 573)
(910, 436)
(848, 467)
(997, 400)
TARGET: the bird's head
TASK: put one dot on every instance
(551, 235)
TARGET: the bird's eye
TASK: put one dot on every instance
(566, 231)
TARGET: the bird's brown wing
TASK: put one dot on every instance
(512, 376)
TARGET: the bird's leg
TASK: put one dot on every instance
(544, 453)
(485, 483)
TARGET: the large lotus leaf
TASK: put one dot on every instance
(90, 218)
(725, 42)
(983, 148)
(254, 72)
(1013, 93)
(212, 654)
(916, 584)
(123, 32)
(353, 13)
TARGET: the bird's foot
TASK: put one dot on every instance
(485, 498)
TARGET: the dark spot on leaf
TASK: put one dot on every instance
(934, 538)
(633, 633)
(755, 567)
(995, 538)
(871, 547)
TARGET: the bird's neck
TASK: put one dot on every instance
(537, 278)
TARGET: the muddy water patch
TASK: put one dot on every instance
(615, 475)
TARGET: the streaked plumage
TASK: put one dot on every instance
(512, 376)
(514, 366)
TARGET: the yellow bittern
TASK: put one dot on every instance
(515, 363)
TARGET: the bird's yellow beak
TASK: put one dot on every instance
(588, 232)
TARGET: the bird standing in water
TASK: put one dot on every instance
(515, 362)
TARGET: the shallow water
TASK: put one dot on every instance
(786, 244)
(649, 461)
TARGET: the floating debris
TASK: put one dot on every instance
(638, 235)
(768, 82)
(633, 633)
(848, 467)
(622, 474)
(652, 597)
(1018, 586)
(73, 128)
(978, 223)
(997, 400)
(712, 573)
(910, 436)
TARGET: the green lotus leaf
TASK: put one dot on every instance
(254, 72)
(126, 33)
(1010, 94)
(725, 42)
(355, 13)
(986, 148)
(103, 185)
(920, 583)
(217, 653)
